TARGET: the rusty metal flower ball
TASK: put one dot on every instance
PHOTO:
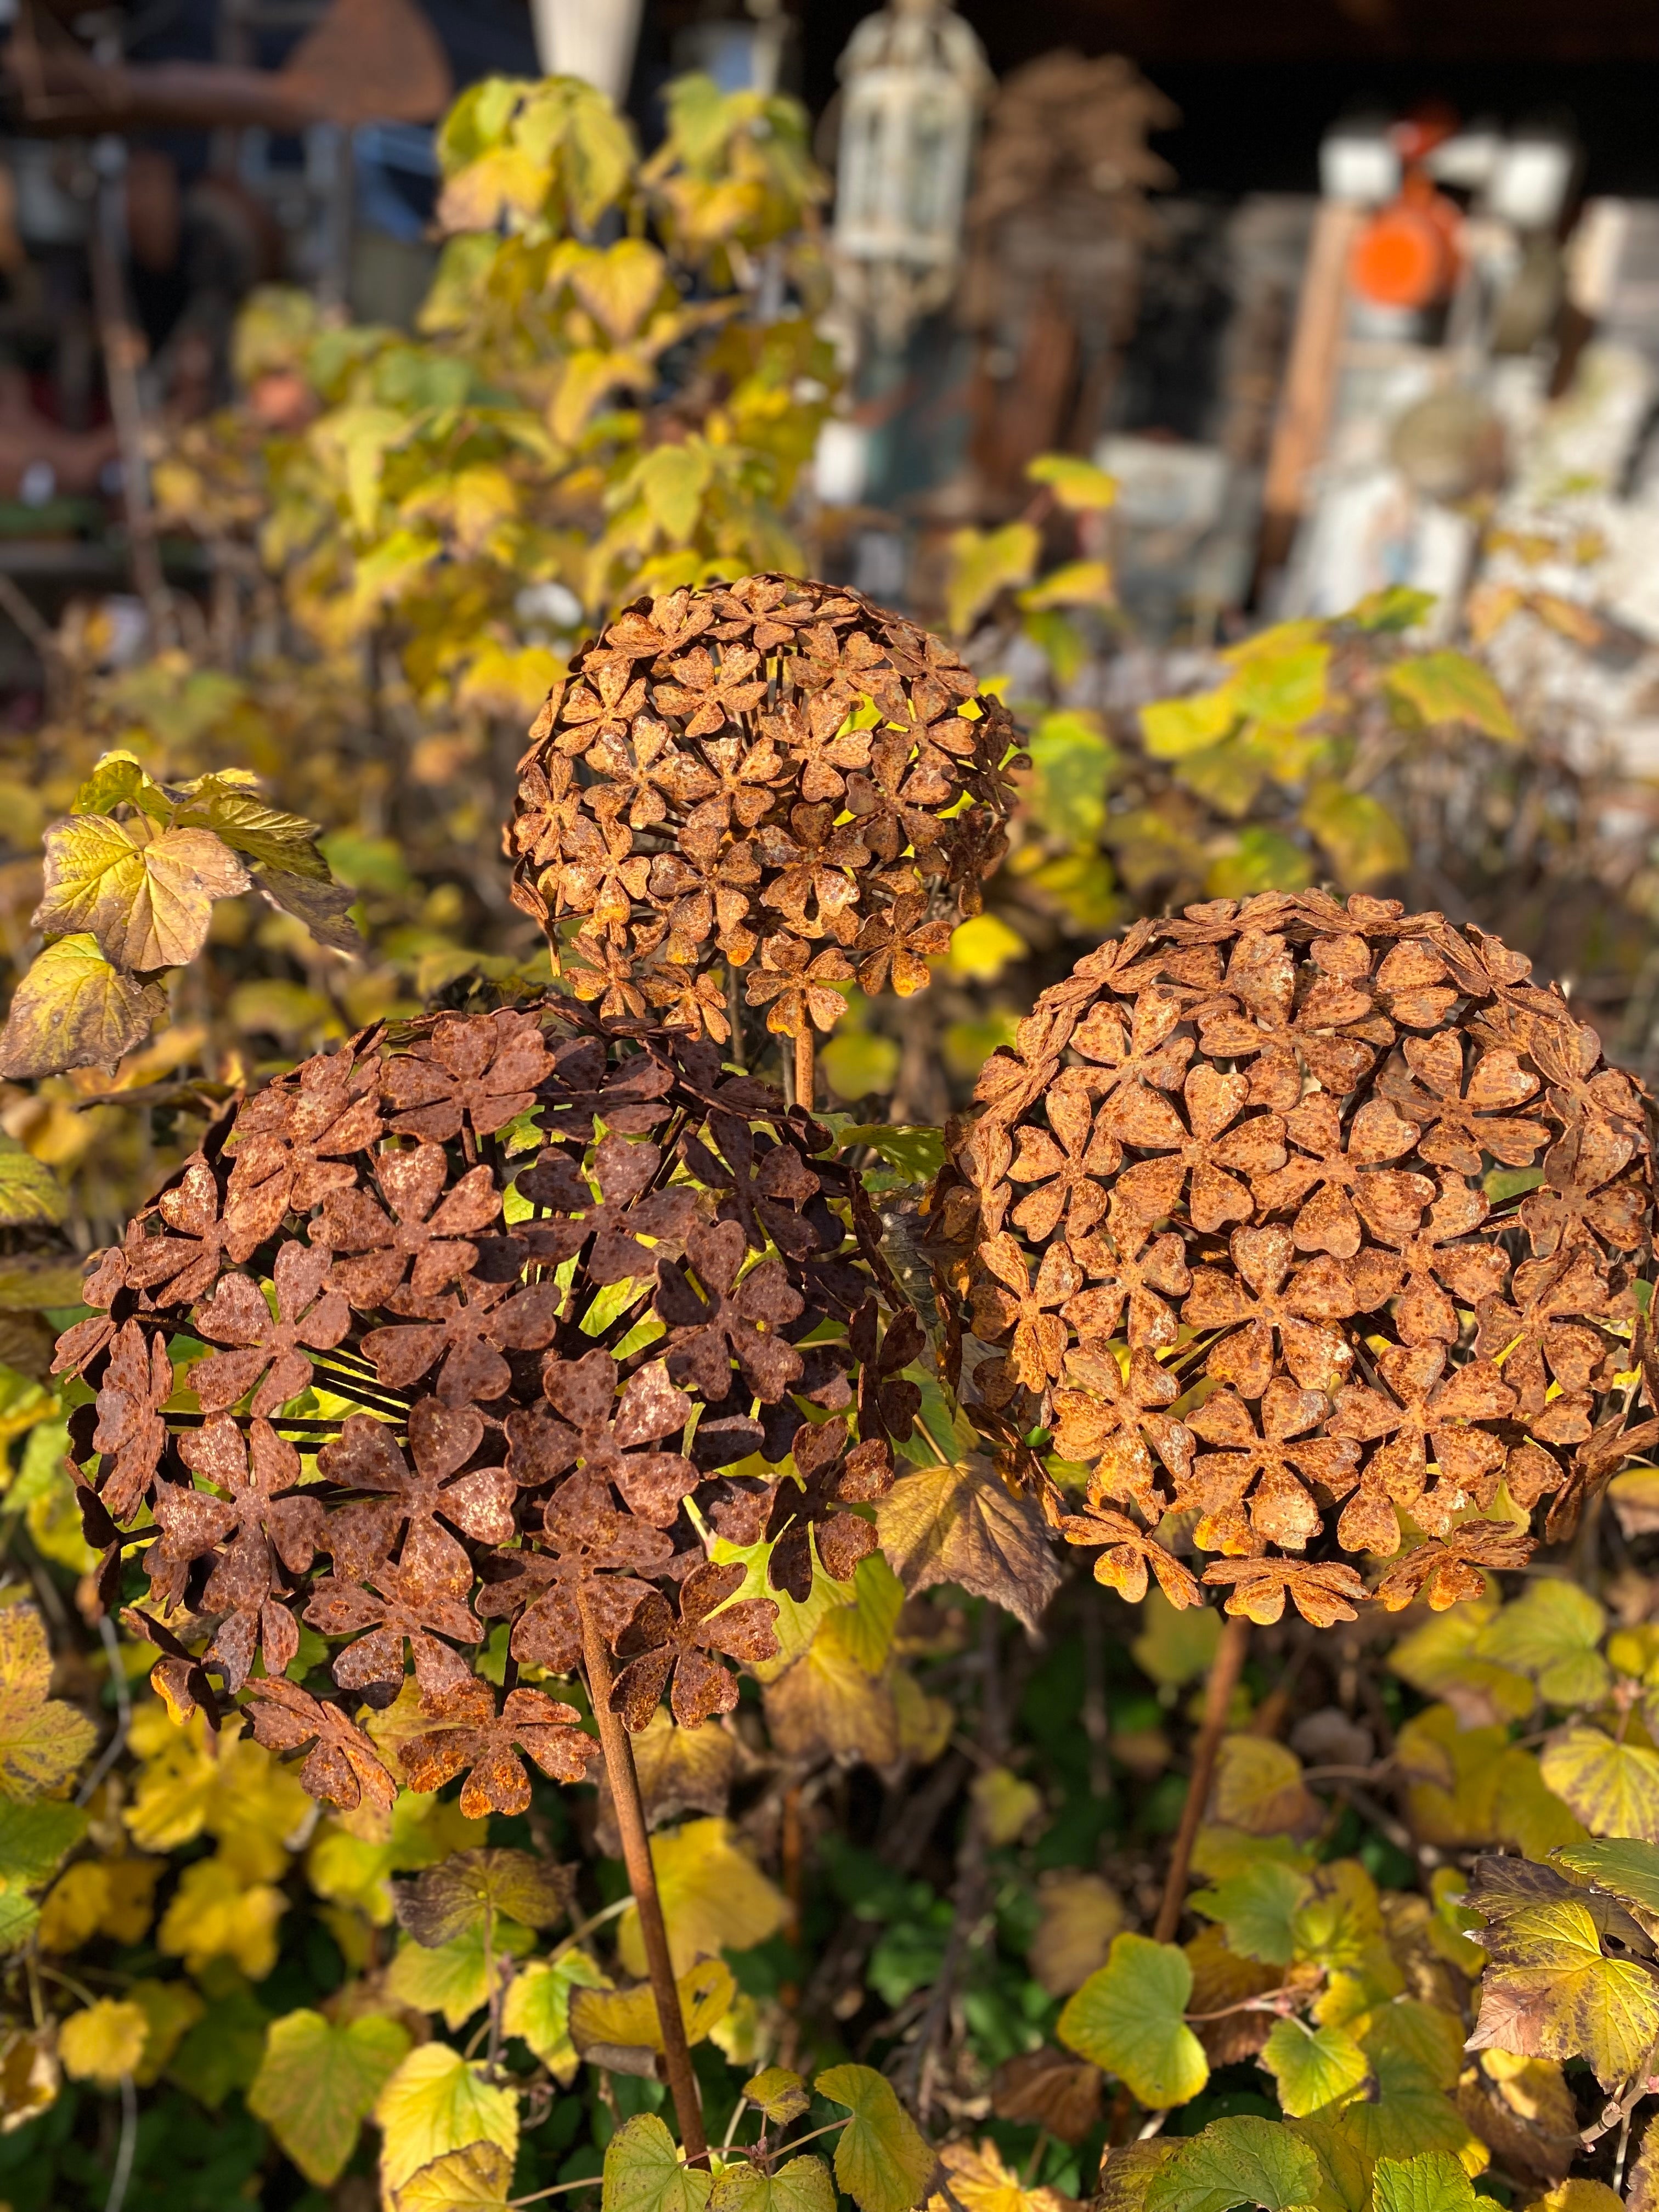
(1311, 1233)
(774, 775)
(469, 1328)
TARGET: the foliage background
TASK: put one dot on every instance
(920, 1843)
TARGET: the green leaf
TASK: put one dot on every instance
(1175, 1646)
(318, 2083)
(1362, 837)
(30, 1194)
(449, 1977)
(32, 1281)
(435, 2103)
(1449, 687)
(1551, 1631)
(146, 897)
(1284, 687)
(882, 2160)
(864, 1629)
(1077, 485)
(537, 2007)
(1614, 1787)
(643, 2172)
(1258, 1908)
(912, 1146)
(1071, 764)
(859, 1064)
(42, 1740)
(1261, 860)
(982, 563)
(801, 2185)
(247, 825)
(1396, 607)
(1312, 2067)
(35, 1838)
(1433, 2182)
(74, 1009)
(1628, 1868)
(20, 1916)
(120, 776)
(1237, 2161)
(1173, 728)
(1126, 2018)
(671, 481)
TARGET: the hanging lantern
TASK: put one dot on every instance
(915, 77)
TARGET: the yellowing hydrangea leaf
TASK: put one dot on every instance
(1452, 1776)
(476, 2179)
(1080, 1915)
(714, 1897)
(1259, 1788)
(170, 2009)
(1614, 1787)
(103, 2042)
(979, 2180)
(449, 1977)
(982, 948)
(435, 2103)
(538, 2007)
(882, 2160)
(1313, 2067)
(1548, 1992)
(1579, 2194)
(627, 2020)
(1432, 2182)
(1006, 1803)
(780, 2094)
(799, 2184)
(1551, 1631)
(1257, 1906)
(643, 2172)
(1628, 1867)
(1442, 1660)
(214, 1914)
(42, 1740)
(318, 2083)
(1126, 2019)
(110, 1897)
(1527, 1814)
(235, 1791)
(1241, 2160)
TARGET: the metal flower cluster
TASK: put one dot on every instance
(504, 1322)
(771, 776)
(1308, 1228)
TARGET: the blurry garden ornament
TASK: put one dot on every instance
(485, 1307)
(914, 79)
(774, 777)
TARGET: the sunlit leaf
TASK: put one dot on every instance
(1237, 2161)
(882, 2160)
(643, 2172)
(1313, 2067)
(74, 1008)
(1126, 2018)
(318, 2081)
(147, 897)
(437, 2102)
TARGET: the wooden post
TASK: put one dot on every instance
(1304, 407)
(625, 1782)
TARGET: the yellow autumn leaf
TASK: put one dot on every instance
(146, 896)
(103, 2042)
(627, 2018)
(1614, 1787)
(215, 1914)
(1081, 1913)
(1259, 1788)
(714, 1897)
(42, 1740)
(435, 2103)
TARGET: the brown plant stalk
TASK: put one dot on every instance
(1224, 1671)
(623, 1777)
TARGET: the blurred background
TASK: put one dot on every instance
(1133, 344)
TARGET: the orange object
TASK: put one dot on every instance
(1406, 255)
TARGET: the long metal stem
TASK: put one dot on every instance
(805, 1065)
(1224, 1671)
(625, 1782)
